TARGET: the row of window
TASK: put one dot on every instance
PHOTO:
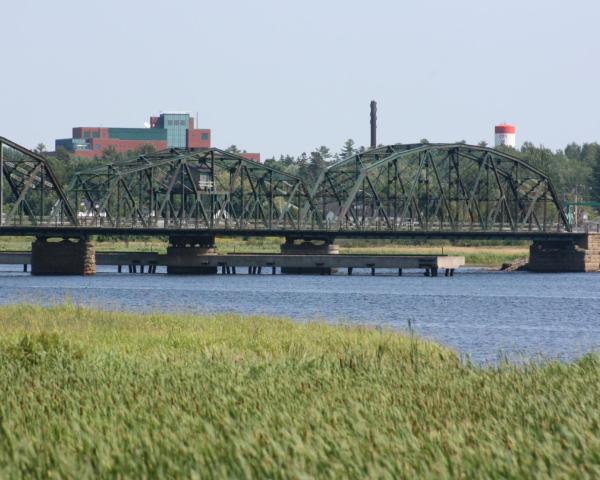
(176, 122)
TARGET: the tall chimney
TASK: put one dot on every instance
(373, 123)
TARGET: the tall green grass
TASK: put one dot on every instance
(92, 394)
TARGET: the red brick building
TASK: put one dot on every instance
(169, 130)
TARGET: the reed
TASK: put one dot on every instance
(94, 394)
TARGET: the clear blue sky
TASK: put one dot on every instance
(284, 77)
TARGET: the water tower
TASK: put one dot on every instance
(506, 135)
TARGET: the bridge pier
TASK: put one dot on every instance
(308, 247)
(569, 255)
(184, 255)
(71, 256)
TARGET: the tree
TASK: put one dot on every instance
(302, 163)
(62, 154)
(271, 163)
(233, 149)
(317, 162)
(573, 151)
(595, 176)
(110, 155)
(286, 160)
(144, 150)
(302, 160)
(40, 148)
(348, 149)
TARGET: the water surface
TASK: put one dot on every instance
(480, 313)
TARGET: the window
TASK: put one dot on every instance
(170, 122)
(205, 136)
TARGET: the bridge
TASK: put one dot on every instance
(397, 191)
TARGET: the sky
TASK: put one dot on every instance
(279, 77)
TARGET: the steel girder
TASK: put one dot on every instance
(29, 191)
(451, 187)
(207, 188)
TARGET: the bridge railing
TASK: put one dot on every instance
(406, 225)
(591, 227)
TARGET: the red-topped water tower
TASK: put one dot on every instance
(506, 135)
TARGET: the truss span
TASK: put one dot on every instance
(434, 187)
(204, 189)
(30, 193)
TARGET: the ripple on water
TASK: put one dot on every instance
(482, 314)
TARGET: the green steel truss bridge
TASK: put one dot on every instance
(395, 191)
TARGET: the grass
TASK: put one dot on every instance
(93, 394)
(477, 255)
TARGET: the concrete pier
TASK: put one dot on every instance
(303, 247)
(189, 255)
(580, 255)
(64, 257)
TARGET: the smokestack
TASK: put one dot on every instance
(373, 123)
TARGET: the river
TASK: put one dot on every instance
(484, 315)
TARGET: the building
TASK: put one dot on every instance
(166, 131)
(506, 135)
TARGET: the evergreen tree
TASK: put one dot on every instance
(348, 149)
(40, 148)
(573, 151)
(286, 160)
(318, 162)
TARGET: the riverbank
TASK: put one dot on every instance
(90, 393)
(475, 255)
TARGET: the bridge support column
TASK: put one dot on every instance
(188, 255)
(302, 247)
(565, 255)
(67, 257)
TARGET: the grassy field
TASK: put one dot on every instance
(480, 255)
(90, 394)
